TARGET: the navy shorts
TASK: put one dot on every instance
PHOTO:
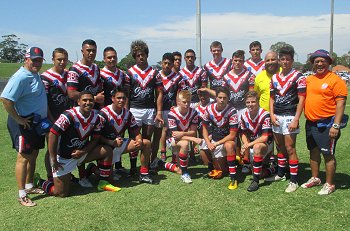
(319, 137)
(24, 140)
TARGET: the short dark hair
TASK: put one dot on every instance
(169, 56)
(251, 94)
(254, 44)
(177, 53)
(59, 50)
(222, 89)
(190, 51)
(88, 42)
(286, 50)
(138, 45)
(119, 89)
(85, 92)
(239, 54)
(216, 44)
(108, 49)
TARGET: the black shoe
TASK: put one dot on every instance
(89, 168)
(132, 172)
(145, 179)
(74, 179)
(253, 186)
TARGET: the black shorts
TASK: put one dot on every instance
(24, 140)
(319, 137)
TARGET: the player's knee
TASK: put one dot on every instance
(229, 146)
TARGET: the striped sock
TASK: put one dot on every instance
(170, 166)
(48, 187)
(105, 169)
(133, 159)
(257, 167)
(144, 170)
(281, 164)
(232, 165)
(293, 168)
(183, 162)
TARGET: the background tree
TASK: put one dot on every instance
(277, 46)
(126, 62)
(11, 51)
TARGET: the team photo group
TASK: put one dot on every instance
(236, 115)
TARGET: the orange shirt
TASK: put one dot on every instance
(321, 93)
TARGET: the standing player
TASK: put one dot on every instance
(256, 135)
(221, 118)
(193, 77)
(170, 81)
(286, 105)
(116, 120)
(146, 95)
(85, 75)
(218, 67)
(55, 82)
(72, 141)
(111, 75)
(177, 62)
(255, 64)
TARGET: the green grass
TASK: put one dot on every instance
(8, 69)
(204, 205)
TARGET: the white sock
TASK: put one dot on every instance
(28, 186)
(22, 193)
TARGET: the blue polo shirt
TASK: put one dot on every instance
(27, 91)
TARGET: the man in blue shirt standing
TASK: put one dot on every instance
(25, 100)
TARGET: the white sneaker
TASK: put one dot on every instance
(246, 168)
(275, 178)
(186, 178)
(85, 183)
(313, 181)
(327, 189)
(292, 187)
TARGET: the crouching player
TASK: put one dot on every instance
(222, 119)
(256, 135)
(183, 121)
(73, 140)
(115, 120)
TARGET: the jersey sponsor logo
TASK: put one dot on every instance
(76, 143)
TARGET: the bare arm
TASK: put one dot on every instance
(10, 108)
(339, 111)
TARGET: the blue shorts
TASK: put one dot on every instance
(319, 137)
(24, 140)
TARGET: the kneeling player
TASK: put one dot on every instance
(73, 140)
(221, 118)
(115, 120)
(256, 135)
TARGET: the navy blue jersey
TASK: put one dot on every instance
(142, 84)
(75, 130)
(216, 72)
(56, 91)
(285, 91)
(238, 85)
(170, 89)
(179, 122)
(220, 122)
(110, 81)
(192, 81)
(114, 125)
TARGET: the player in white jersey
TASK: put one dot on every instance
(255, 64)
(218, 67)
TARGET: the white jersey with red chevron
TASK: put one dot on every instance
(179, 122)
(257, 126)
(215, 72)
(255, 68)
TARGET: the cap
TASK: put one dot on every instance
(321, 53)
(34, 52)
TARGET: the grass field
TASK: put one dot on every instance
(204, 205)
(8, 69)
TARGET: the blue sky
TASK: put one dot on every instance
(170, 25)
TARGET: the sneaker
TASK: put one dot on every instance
(154, 164)
(313, 181)
(246, 168)
(121, 171)
(186, 178)
(145, 179)
(116, 176)
(106, 186)
(25, 201)
(89, 168)
(132, 172)
(233, 185)
(275, 178)
(215, 174)
(253, 186)
(85, 183)
(292, 187)
(326, 189)
(163, 156)
(239, 160)
(193, 159)
(34, 191)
